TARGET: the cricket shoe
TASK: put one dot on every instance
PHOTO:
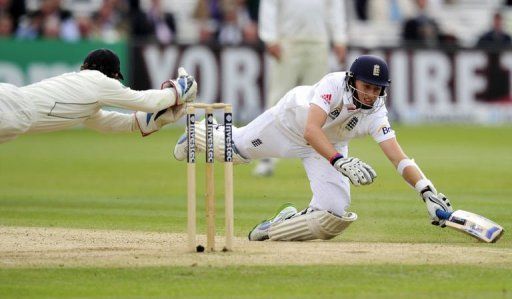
(260, 231)
(265, 168)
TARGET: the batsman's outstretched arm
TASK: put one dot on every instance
(395, 154)
(413, 175)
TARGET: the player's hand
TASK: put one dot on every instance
(152, 122)
(436, 202)
(185, 86)
(358, 172)
(275, 51)
(341, 52)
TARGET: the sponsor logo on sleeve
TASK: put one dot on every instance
(334, 113)
(385, 130)
(327, 98)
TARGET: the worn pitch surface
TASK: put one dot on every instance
(61, 247)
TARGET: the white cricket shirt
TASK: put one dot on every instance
(64, 101)
(341, 125)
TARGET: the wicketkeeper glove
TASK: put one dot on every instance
(358, 172)
(435, 202)
(152, 122)
(185, 86)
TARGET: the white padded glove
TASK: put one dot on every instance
(185, 87)
(152, 122)
(435, 202)
(358, 172)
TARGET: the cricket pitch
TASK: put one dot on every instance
(22, 247)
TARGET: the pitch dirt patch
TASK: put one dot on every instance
(61, 247)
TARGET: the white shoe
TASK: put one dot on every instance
(260, 231)
(265, 168)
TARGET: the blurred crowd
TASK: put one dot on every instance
(232, 22)
(223, 21)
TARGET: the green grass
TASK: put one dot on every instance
(82, 179)
(264, 282)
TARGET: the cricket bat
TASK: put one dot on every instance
(472, 224)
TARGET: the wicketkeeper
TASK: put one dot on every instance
(79, 97)
(315, 123)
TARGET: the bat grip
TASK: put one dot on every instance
(443, 215)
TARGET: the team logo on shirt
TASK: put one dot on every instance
(335, 113)
(327, 98)
(352, 123)
(256, 142)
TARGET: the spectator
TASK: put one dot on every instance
(85, 27)
(108, 22)
(209, 15)
(29, 26)
(14, 9)
(230, 33)
(50, 21)
(154, 24)
(236, 25)
(421, 29)
(6, 25)
(395, 11)
(297, 35)
(497, 35)
(493, 40)
(248, 20)
(51, 28)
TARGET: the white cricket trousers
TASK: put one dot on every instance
(301, 63)
(16, 112)
(264, 138)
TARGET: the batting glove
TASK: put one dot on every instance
(358, 172)
(436, 202)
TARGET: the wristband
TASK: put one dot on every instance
(405, 163)
(335, 158)
(422, 184)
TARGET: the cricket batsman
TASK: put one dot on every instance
(78, 98)
(315, 124)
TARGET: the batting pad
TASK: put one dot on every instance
(218, 143)
(315, 225)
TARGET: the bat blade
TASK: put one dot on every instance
(472, 224)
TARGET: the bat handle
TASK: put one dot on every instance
(443, 215)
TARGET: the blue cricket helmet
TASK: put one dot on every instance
(370, 69)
